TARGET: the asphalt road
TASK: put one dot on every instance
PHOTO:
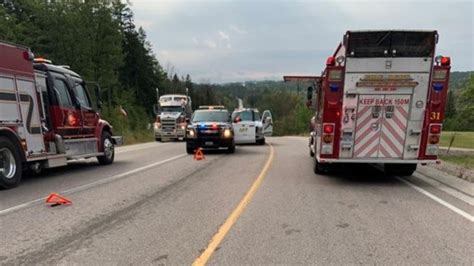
(261, 205)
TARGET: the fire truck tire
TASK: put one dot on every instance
(10, 163)
(158, 139)
(261, 141)
(109, 149)
(400, 169)
(320, 168)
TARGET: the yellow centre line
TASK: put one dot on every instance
(230, 221)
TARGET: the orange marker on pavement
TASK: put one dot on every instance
(55, 199)
(199, 155)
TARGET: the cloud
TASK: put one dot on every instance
(224, 36)
(216, 40)
(210, 44)
(237, 30)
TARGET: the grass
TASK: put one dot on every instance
(466, 161)
(461, 139)
(136, 137)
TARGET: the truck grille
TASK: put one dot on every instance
(168, 124)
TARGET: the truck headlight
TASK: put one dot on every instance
(227, 133)
(191, 133)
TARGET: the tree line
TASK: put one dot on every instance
(99, 40)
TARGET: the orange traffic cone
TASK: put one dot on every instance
(199, 155)
(55, 199)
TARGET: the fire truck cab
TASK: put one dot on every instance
(380, 99)
(46, 117)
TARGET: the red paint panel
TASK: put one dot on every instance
(435, 108)
(333, 107)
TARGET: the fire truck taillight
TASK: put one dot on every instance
(328, 128)
(432, 146)
(434, 139)
(327, 139)
(435, 129)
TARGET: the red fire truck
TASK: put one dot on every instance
(46, 117)
(380, 99)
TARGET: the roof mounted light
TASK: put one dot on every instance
(331, 61)
(445, 61)
(42, 60)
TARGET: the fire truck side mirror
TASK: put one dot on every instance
(155, 109)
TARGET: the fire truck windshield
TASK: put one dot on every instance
(391, 43)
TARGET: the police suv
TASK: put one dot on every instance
(210, 128)
(251, 127)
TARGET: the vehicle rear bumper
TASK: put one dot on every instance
(170, 134)
(376, 160)
(205, 143)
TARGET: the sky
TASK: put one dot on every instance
(236, 41)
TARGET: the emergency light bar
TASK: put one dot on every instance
(42, 60)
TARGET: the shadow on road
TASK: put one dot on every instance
(81, 166)
(362, 174)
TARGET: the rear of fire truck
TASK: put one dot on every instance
(381, 99)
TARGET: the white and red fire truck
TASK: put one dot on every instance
(46, 117)
(380, 99)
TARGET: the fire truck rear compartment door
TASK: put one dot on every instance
(8, 101)
(31, 116)
(395, 118)
(368, 126)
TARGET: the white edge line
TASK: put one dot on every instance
(90, 185)
(440, 201)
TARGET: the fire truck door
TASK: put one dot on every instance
(67, 118)
(31, 116)
(395, 118)
(89, 115)
(368, 126)
(381, 126)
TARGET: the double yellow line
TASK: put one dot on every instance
(230, 221)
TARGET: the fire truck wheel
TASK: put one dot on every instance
(320, 168)
(158, 139)
(405, 169)
(109, 149)
(10, 164)
(261, 141)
